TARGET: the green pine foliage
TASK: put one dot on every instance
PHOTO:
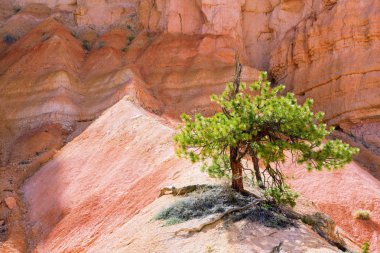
(262, 123)
(365, 247)
(282, 195)
(362, 214)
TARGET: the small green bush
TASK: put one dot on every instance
(365, 247)
(284, 196)
(74, 34)
(24, 162)
(209, 249)
(130, 39)
(129, 42)
(362, 214)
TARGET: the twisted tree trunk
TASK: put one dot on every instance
(256, 168)
(237, 170)
(236, 167)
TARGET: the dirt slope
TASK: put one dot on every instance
(95, 182)
(340, 194)
(98, 194)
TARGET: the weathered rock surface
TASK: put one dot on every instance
(48, 79)
(340, 194)
(332, 56)
(100, 193)
(193, 67)
(107, 164)
(192, 44)
(63, 62)
(66, 85)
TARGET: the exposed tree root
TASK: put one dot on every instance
(171, 190)
(324, 227)
(216, 219)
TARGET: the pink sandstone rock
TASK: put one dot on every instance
(10, 202)
(168, 56)
(101, 193)
(331, 56)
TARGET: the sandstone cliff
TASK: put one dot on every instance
(332, 56)
(64, 62)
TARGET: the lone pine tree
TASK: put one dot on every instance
(259, 125)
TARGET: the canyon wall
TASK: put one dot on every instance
(332, 56)
(63, 62)
(181, 51)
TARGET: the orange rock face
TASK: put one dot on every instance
(47, 78)
(332, 57)
(193, 68)
(64, 62)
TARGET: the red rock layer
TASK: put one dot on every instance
(48, 78)
(169, 56)
(341, 193)
(332, 56)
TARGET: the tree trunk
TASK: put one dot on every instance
(236, 167)
(256, 167)
(237, 170)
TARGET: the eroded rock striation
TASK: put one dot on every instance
(48, 79)
(64, 62)
(332, 56)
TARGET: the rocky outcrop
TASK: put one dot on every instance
(331, 56)
(339, 194)
(182, 71)
(325, 227)
(47, 78)
(77, 74)
(63, 62)
(305, 45)
(101, 193)
(107, 164)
